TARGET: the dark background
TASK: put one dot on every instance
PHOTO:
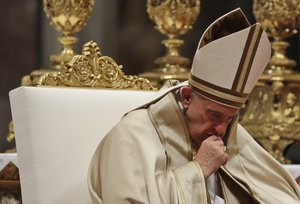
(121, 28)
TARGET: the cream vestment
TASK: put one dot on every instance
(148, 158)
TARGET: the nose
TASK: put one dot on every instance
(220, 129)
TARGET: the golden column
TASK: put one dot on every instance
(272, 114)
(172, 18)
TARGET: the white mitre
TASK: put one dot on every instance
(230, 58)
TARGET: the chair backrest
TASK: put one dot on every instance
(57, 131)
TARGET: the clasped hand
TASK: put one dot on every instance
(211, 155)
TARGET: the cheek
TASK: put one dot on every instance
(196, 124)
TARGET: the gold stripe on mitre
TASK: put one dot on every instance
(216, 93)
(247, 58)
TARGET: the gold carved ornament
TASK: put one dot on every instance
(272, 113)
(10, 186)
(10, 137)
(93, 70)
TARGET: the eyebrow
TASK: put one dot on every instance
(214, 111)
(220, 113)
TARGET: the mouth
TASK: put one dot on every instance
(205, 136)
(209, 135)
(212, 134)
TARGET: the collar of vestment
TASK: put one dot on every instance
(169, 122)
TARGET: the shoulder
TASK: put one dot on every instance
(133, 129)
(133, 138)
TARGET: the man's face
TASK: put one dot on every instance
(204, 117)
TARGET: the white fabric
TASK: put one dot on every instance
(57, 130)
(213, 189)
(5, 158)
(294, 169)
(220, 67)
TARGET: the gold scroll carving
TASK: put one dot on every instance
(92, 69)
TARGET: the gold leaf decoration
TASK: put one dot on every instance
(280, 18)
(93, 70)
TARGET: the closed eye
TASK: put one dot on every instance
(218, 116)
(213, 114)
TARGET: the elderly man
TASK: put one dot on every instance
(185, 146)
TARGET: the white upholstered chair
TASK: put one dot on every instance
(57, 129)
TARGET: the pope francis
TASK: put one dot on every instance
(185, 146)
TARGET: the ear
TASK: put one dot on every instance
(186, 93)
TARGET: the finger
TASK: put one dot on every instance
(215, 137)
(226, 157)
(212, 138)
(219, 142)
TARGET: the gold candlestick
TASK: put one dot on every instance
(280, 18)
(68, 17)
(274, 105)
(172, 18)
